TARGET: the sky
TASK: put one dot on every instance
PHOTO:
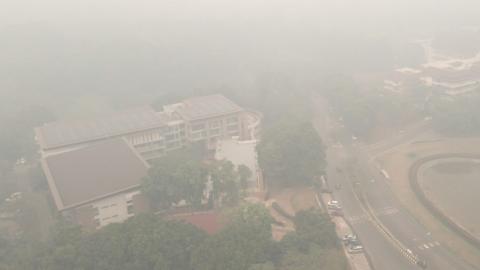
(100, 46)
(345, 12)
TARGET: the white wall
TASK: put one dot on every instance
(114, 209)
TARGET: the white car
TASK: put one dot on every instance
(332, 202)
(334, 205)
(14, 197)
(355, 249)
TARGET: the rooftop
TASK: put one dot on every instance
(61, 133)
(94, 172)
(207, 106)
(210, 222)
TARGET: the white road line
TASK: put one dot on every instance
(429, 245)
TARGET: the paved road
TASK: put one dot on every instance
(350, 164)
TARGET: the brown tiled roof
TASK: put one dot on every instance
(210, 222)
(94, 172)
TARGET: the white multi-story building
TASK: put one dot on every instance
(201, 119)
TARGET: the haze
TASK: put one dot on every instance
(239, 134)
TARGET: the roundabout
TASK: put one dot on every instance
(448, 186)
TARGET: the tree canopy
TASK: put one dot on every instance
(151, 242)
(291, 152)
(456, 116)
(181, 176)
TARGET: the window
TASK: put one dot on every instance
(198, 127)
(214, 132)
(232, 128)
(215, 124)
(96, 211)
(130, 209)
(232, 120)
(97, 222)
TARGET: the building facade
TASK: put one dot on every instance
(95, 167)
(202, 119)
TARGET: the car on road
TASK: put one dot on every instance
(334, 205)
(355, 249)
(347, 238)
(14, 197)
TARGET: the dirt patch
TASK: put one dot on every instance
(291, 200)
(397, 163)
(454, 167)
(453, 185)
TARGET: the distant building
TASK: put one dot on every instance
(202, 119)
(95, 167)
(98, 184)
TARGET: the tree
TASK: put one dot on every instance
(459, 116)
(175, 178)
(291, 152)
(315, 227)
(226, 182)
(243, 242)
(244, 173)
(316, 258)
(17, 137)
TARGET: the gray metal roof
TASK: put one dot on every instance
(207, 106)
(63, 133)
(94, 172)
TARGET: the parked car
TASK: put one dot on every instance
(347, 238)
(355, 249)
(334, 205)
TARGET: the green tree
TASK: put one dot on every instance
(456, 116)
(244, 173)
(316, 258)
(226, 182)
(243, 242)
(315, 227)
(175, 178)
(291, 152)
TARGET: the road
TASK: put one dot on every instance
(351, 164)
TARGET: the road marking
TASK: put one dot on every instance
(429, 245)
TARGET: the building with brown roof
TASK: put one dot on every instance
(94, 167)
(97, 185)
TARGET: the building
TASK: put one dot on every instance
(202, 119)
(95, 167)
(98, 184)
(241, 153)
